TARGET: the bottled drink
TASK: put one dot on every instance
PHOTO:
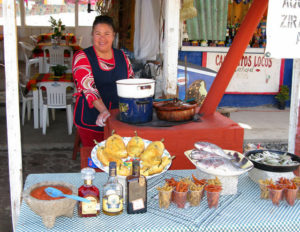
(112, 201)
(90, 192)
(136, 190)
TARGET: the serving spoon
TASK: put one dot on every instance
(54, 192)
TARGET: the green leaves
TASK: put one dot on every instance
(57, 27)
(284, 94)
(59, 69)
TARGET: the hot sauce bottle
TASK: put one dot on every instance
(136, 190)
(90, 192)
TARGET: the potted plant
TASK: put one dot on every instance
(283, 96)
(59, 70)
(57, 28)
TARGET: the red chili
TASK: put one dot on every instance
(181, 187)
(171, 182)
(213, 188)
(292, 186)
(275, 187)
(199, 182)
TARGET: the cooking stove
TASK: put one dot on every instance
(161, 123)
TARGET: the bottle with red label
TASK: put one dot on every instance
(90, 192)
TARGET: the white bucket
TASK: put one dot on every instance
(135, 88)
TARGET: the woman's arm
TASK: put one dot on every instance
(130, 73)
(83, 78)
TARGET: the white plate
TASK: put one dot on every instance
(126, 140)
(220, 172)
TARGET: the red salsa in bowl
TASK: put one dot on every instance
(40, 194)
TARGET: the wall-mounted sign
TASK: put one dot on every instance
(283, 29)
(255, 74)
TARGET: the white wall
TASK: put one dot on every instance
(86, 33)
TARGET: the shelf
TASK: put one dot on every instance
(219, 49)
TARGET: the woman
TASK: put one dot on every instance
(95, 71)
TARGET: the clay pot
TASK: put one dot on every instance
(175, 111)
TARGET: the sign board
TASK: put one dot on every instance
(255, 74)
(283, 29)
(199, 81)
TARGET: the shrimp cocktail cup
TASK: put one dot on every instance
(291, 194)
(180, 198)
(275, 193)
(213, 195)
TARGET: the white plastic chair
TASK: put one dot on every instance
(34, 39)
(25, 98)
(27, 51)
(79, 40)
(56, 99)
(56, 56)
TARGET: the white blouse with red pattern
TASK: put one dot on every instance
(83, 75)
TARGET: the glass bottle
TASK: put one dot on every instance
(90, 192)
(136, 190)
(112, 201)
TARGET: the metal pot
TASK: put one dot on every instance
(135, 110)
(135, 88)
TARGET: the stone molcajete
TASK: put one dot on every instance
(50, 209)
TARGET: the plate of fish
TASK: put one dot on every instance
(273, 160)
(212, 159)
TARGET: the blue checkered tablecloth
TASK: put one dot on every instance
(244, 211)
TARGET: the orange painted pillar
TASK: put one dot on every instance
(235, 53)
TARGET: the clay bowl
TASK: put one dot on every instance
(175, 110)
(50, 209)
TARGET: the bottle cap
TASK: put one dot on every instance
(88, 173)
(112, 164)
(135, 163)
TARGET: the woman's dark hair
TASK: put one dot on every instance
(104, 19)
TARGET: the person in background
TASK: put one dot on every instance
(95, 71)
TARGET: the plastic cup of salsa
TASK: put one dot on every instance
(180, 198)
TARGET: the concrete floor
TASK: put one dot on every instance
(263, 124)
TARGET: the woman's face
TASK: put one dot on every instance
(103, 37)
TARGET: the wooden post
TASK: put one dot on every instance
(12, 108)
(294, 127)
(294, 108)
(171, 47)
(233, 56)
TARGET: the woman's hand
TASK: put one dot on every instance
(104, 114)
(102, 117)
